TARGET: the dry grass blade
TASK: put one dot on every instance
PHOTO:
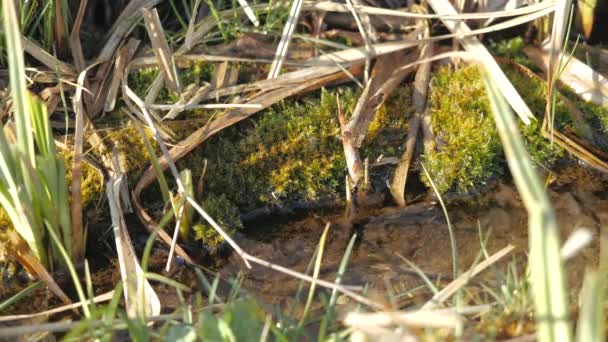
(351, 154)
(46, 58)
(60, 29)
(587, 83)
(178, 223)
(137, 288)
(189, 40)
(474, 46)
(422, 318)
(290, 27)
(78, 234)
(359, 54)
(331, 6)
(225, 75)
(249, 12)
(191, 96)
(464, 278)
(421, 84)
(75, 45)
(25, 257)
(123, 25)
(125, 54)
(365, 29)
(98, 299)
(161, 49)
(558, 34)
(388, 72)
(578, 148)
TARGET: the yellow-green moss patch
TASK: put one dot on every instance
(468, 149)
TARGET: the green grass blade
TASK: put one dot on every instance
(547, 272)
(16, 64)
(331, 306)
(23, 293)
(591, 322)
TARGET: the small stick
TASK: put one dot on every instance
(175, 235)
(366, 173)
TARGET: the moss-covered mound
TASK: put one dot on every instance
(468, 149)
(289, 152)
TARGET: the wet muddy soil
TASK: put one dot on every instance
(419, 233)
(386, 237)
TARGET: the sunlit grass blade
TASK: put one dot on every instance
(547, 272)
(330, 309)
(591, 321)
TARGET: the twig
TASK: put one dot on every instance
(464, 278)
(288, 30)
(161, 49)
(421, 84)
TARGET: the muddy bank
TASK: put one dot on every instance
(418, 233)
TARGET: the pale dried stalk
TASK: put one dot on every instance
(136, 287)
(464, 278)
(331, 6)
(473, 45)
(388, 72)
(46, 58)
(125, 55)
(98, 299)
(558, 35)
(188, 41)
(78, 234)
(588, 84)
(288, 30)
(178, 223)
(421, 84)
(185, 99)
(365, 33)
(75, 45)
(182, 107)
(161, 49)
(351, 154)
(123, 26)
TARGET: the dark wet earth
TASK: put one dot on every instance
(389, 235)
(419, 233)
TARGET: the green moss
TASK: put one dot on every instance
(134, 157)
(291, 151)
(92, 187)
(225, 213)
(468, 147)
(512, 49)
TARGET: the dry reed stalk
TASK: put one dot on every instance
(464, 278)
(140, 298)
(588, 84)
(161, 49)
(288, 30)
(125, 54)
(421, 84)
